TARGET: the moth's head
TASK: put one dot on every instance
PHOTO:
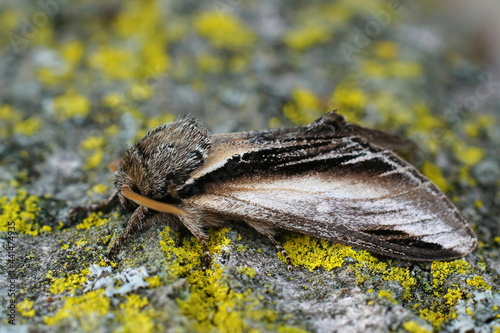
(159, 164)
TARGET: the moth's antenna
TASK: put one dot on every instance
(149, 203)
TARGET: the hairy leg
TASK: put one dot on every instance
(136, 223)
(193, 223)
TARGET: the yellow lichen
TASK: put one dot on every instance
(162, 118)
(414, 327)
(441, 270)
(113, 100)
(239, 63)
(93, 220)
(453, 296)
(464, 175)
(305, 107)
(212, 305)
(387, 295)
(188, 257)
(72, 52)
(393, 68)
(154, 281)
(274, 122)
(155, 60)
(209, 64)
(140, 92)
(92, 142)
(476, 126)
(94, 160)
(348, 98)
(436, 318)
(29, 126)
(46, 228)
(433, 172)
(247, 271)
(286, 329)
(71, 105)
(223, 30)
(135, 316)
(386, 49)
(304, 37)
(69, 283)
(115, 63)
(468, 155)
(312, 252)
(9, 18)
(82, 309)
(81, 242)
(112, 130)
(19, 213)
(25, 308)
(478, 282)
(99, 188)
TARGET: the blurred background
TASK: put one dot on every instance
(81, 80)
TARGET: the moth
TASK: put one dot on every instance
(330, 179)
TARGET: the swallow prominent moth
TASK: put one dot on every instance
(329, 179)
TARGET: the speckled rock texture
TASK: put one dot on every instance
(82, 80)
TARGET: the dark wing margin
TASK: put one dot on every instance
(317, 181)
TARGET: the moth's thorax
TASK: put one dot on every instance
(160, 163)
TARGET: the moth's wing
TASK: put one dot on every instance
(334, 123)
(331, 125)
(384, 139)
(340, 189)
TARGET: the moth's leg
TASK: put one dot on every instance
(282, 250)
(193, 222)
(267, 231)
(137, 222)
(97, 207)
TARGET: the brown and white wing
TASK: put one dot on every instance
(337, 188)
